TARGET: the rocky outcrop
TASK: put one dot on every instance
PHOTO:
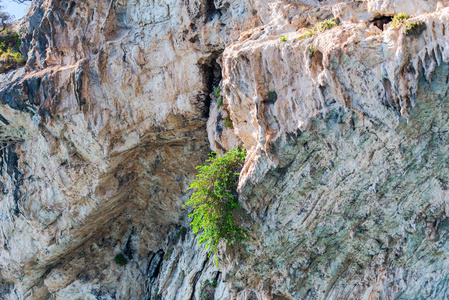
(344, 186)
(103, 130)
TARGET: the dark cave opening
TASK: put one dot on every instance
(381, 21)
(211, 72)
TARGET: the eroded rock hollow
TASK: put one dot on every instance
(345, 184)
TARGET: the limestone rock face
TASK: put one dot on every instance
(344, 188)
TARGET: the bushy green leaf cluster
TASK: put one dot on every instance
(214, 199)
(409, 27)
(10, 57)
(414, 28)
(400, 18)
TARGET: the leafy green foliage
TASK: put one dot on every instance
(214, 199)
(321, 27)
(414, 28)
(399, 19)
(283, 39)
(120, 259)
(10, 57)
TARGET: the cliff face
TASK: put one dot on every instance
(345, 183)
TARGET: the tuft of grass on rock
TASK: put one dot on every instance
(400, 19)
(228, 123)
(414, 28)
(326, 25)
(321, 27)
(217, 91)
(311, 49)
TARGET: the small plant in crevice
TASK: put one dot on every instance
(272, 97)
(215, 200)
(207, 289)
(283, 38)
(307, 35)
(311, 49)
(168, 253)
(414, 28)
(321, 27)
(120, 259)
(227, 122)
(400, 18)
(180, 234)
(217, 91)
(326, 25)
(220, 102)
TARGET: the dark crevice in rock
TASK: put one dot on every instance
(10, 160)
(211, 72)
(210, 10)
(69, 8)
(197, 277)
(129, 247)
(4, 120)
(155, 265)
(317, 62)
(12, 96)
(390, 98)
(77, 80)
(381, 21)
(31, 87)
(218, 125)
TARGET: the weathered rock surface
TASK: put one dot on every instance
(345, 183)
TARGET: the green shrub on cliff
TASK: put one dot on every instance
(214, 199)
(409, 27)
(321, 27)
(399, 19)
(414, 28)
(10, 57)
